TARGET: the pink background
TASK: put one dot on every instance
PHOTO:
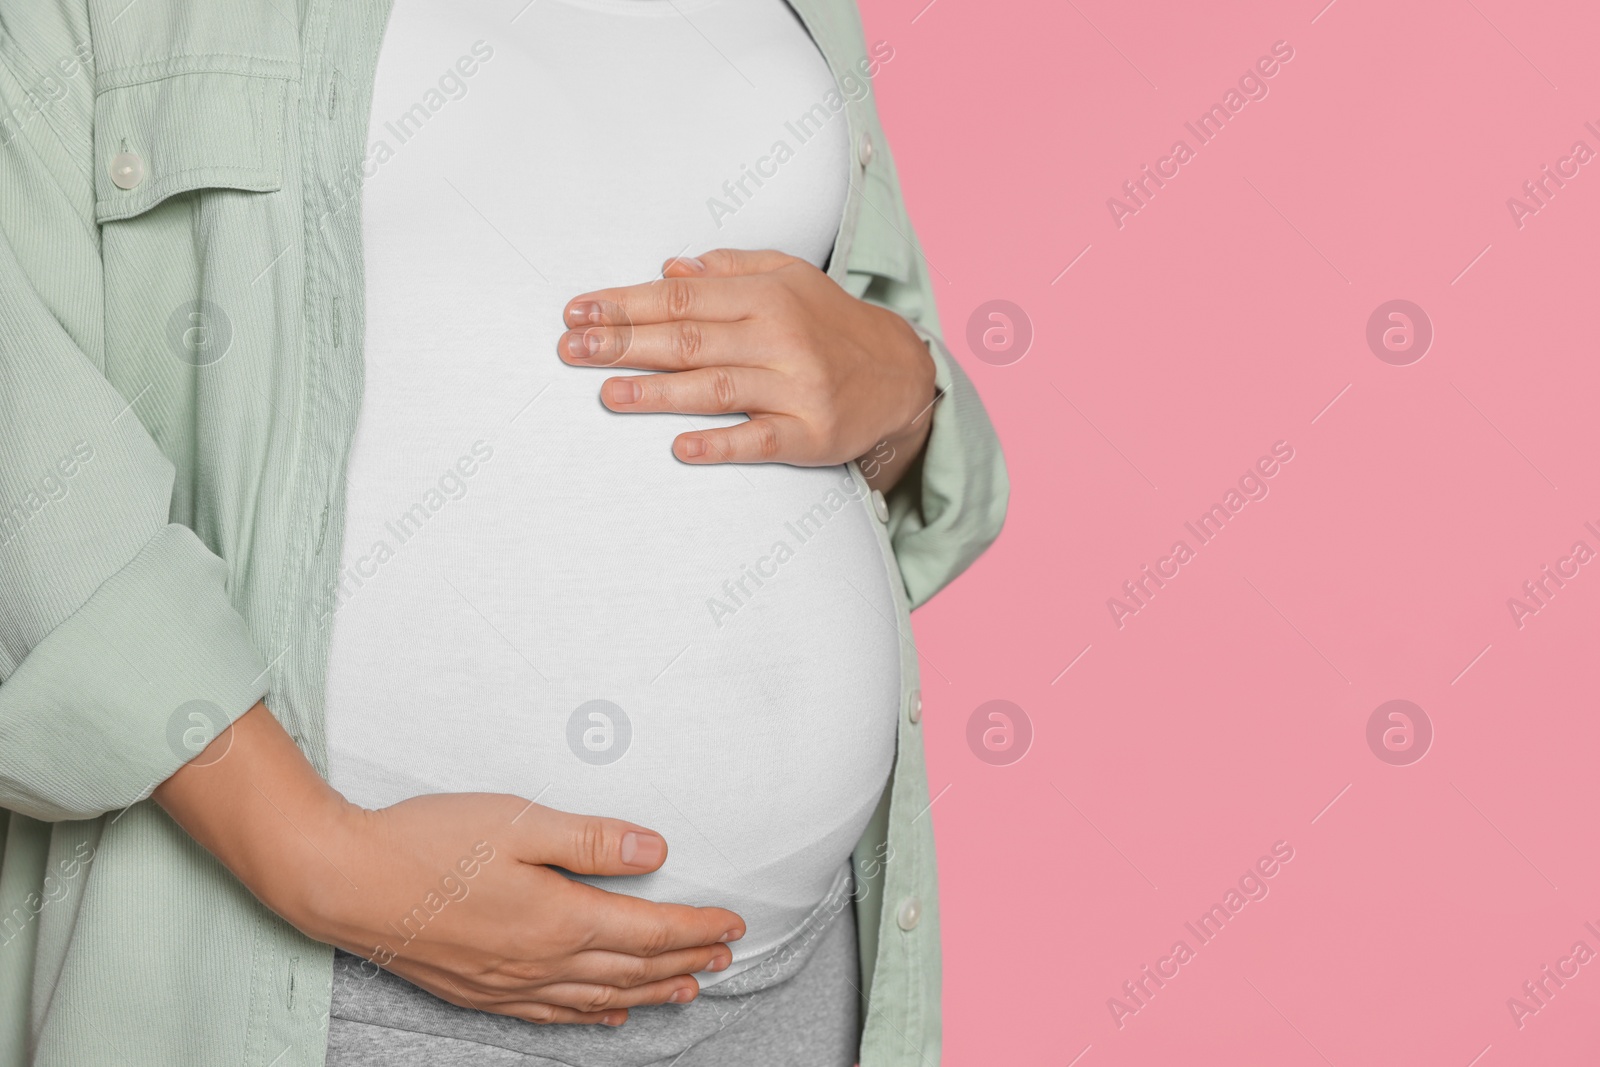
(1231, 712)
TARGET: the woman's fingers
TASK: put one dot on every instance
(629, 972)
(766, 437)
(541, 1010)
(762, 439)
(669, 346)
(689, 287)
(586, 844)
(535, 1012)
(591, 998)
(616, 923)
(522, 1003)
(722, 262)
(578, 1002)
(666, 299)
(712, 391)
(565, 1002)
(575, 1000)
(585, 917)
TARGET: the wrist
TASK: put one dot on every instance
(913, 434)
(892, 458)
(897, 450)
(254, 801)
(305, 861)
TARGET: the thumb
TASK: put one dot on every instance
(725, 263)
(588, 844)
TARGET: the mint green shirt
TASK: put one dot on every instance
(180, 372)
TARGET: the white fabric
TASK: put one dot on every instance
(513, 550)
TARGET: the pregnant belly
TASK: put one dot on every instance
(544, 602)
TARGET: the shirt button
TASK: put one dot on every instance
(910, 913)
(864, 148)
(915, 713)
(127, 170)
(880, 506)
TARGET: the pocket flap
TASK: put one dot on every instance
(205, 129)
(882, 243)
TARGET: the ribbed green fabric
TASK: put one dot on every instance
(180, 374)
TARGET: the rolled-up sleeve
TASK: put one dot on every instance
(115, 625)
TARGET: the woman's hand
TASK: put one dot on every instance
(824, 377)
(455, 898)
(450, 891)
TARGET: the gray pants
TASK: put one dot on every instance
(810, 1019)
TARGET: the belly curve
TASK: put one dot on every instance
(514, 555)
(708, 651)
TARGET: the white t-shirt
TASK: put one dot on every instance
(536, 597)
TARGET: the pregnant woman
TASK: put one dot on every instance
(473, 626)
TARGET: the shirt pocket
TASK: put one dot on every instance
(158, 138)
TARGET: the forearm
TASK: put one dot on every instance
(254, 801)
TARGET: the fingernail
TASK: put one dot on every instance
(692, 263)
(718, 964)
(582, 312)
(682, 996)
(623, 391)
(731, 935)
(613, 1020)
(642, 850)
(694, 446)
(593, 341)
